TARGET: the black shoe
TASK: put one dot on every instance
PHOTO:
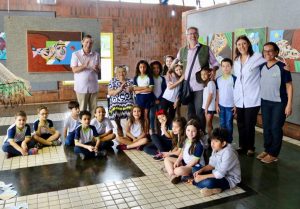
(241, 151)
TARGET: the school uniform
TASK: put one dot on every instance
(210, 89)
(44, 131)
(144, 100)
(274, 99)
(18, 136)
(102, 128)
(197, 154)
(70, 123)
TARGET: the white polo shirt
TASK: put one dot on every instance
(247, 85)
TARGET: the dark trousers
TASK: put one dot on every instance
(69, 141)
(195, 110)
(153, 109)
(158, 144)
(11, 150)
(246, 121)
(273, 117)
(226, 120)
(84, 151)
(168, 106)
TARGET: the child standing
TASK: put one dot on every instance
(104, 127)
(224, 98)
(168, 62)
(136, 131)
(209, 98)
(170, 99)
(158, 90)
(189, 156)
(45, 133)
(143, 87)
(86, 138)
(223, 171)
(71, 122)
(18, 140)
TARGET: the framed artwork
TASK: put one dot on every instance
(51, 51)
(221, 45)
(289, 44)
(257, 37)
(3, 46)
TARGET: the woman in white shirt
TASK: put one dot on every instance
(247, 92)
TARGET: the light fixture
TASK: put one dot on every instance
(173, 13)
(47, 2)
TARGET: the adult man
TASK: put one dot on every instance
(204, 58)
(85, 66)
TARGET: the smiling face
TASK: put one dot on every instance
(204, 75)
(136, 112)
(178, 71)
(269, 53)
(191, 132)
(162, 118)
(169, 61)
(121, 74)
(175, 128)
(100, 113)
(87, 44)
(242, 45)
(20, 122)
(192, 36)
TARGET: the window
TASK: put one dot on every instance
(107, 55)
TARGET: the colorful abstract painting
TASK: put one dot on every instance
(257, 37)
(202, 40)
(3, 46)
(51, 51)
(221, 45)
(289, 44)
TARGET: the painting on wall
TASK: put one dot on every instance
(3, 46)
(51, 51)
(221, 45)
(289, 44)
(257, 37)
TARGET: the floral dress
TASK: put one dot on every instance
(120, 105)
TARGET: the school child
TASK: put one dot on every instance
(158, 90)
(87, 139)
(209, 98)
(224, 97)
(44, 132)
(71, 122)
(168, 62)
(160, 142)
(104, 127)
(143, 87)
(18, 140)
(136, 131)
(223, 171)
(170, 100)
(189, 156)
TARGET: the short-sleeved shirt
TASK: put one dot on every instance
(187, 157)
(143, 81)
(103, 126)
(172, 94)
(225, 85)
(136, 129)
(85, 81)
(70, 123)
(86, 135)
(210, 89)
(159, 86)
(273, 82)
(43, 130)
(17, 135)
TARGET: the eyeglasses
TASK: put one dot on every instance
(192, 34)
(268, 51)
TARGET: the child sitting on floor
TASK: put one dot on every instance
(223, 171)
(136, 131)
(71, 122)
(104, 127)
(18, 140)
(189, 156)
(44, 132)
(87, 139)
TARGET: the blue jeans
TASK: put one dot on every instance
(158, 144)
(11, 150)
(153, 110)
(273, 117)
(226, 120)
(211, 183)
(84, 151)
(69, 141)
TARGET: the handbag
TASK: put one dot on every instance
(186, 94)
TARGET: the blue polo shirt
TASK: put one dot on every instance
(86, 135)
(49, 124)
(17, 135)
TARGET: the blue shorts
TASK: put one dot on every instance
(144, 100)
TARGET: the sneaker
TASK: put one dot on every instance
(39, 146)
(82, 156)
(158, 157)
(208, 192)
(122, 147)
(56, 143)
(175, 179)
(250, 153)
(269, 159)
(33, 151)
(261, 155)
(101, 153)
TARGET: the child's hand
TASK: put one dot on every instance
(217, 109)
(233, 110)
(199, 178)
(24, 152)
(42, 123)
(288, 110)
(90, 148)
(95, 149)
(24, 146)
(197, 173)
(176, 164)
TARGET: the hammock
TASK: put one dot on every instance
(13, 89)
